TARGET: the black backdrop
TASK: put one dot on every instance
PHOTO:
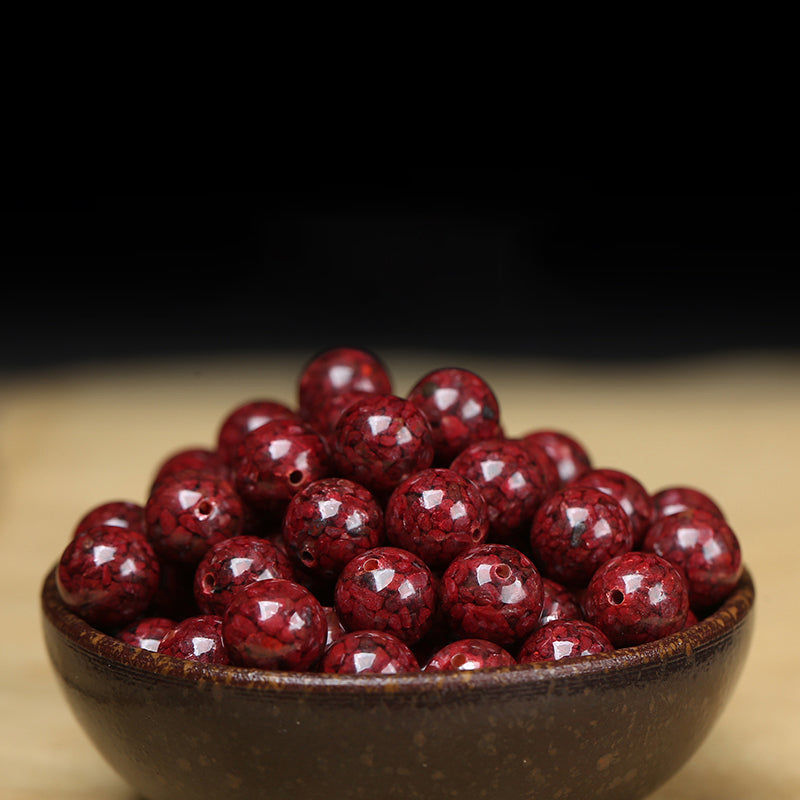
(520, 261)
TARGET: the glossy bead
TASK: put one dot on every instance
(672, 499)
(436, 513)
(492, 591)
(560, 639)
(189, 512)
(380, 440)
(704, 546)
(512, 485)
(275, 461)
(245, 418)
(469, 654)
(234, 563)
(568, 454)
(335, 628)
(108, 575)
(461, 408)
(146, 633)
(198, 638)
(120, 513)
(558, 602)
(387, 589)
(548, 468)
(332, 379)
(577, 529)
(368, 652)
(275, 624)
(637, 597)
(627, 491)
(330, 522)
(199, 459)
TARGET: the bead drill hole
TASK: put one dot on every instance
(307, 557)
(204, 507)
(295, 477)
(615, 597)
(502, 571)
(371, 564)
(208, 583)
(476, 534)
(458, 660)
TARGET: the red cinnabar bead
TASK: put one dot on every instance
(387, 589)
(468, 654)
(245, 418)
(198, 459)
(492, 591)
(637, 597)
(234, 563)
(575, 530)
(121, 513)
(461, 408)
(330, 522)
(560, 639)
(436, 513)
(567, 453)
(146, 633)
(512, 485)
(369, 652)
(672, 499)
(559, 603)
(108, 575)
(275, 624)
(380, 440)
(705, 548)
(197, 638)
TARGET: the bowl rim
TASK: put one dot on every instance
(620, 664)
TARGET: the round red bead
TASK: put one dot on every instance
(672, 499)
(561, 639)
(469, 654)
(492, 591)
(275, 624)
(108, 575)
(198, 638)
(245, 418)
(120, 513)
(575, 530)
(559, 602)
(198, 459)
(436, 513)
(369, 652)
(389, 589)
(568, 454)
(146, 633)
(637, 597)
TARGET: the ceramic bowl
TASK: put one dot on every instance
(608, 726)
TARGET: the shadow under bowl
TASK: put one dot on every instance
(607, 726)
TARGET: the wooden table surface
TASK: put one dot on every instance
(730, 425)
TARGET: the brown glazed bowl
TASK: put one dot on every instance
(610, 726)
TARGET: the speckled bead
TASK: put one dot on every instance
(558, 602)
(673, 499)
(234, 563)
(461, 407)
(146, 633)
(491, 591)
(548, 468)
(368, 652)
(387, 589)
(108, 575)
(436, 513)
(189, 512)
(628, 491)
(512, 485)
(197, 638)
(577, 529)
(335, 628)
(705, 548)
(469, 654)
(198, 459)
(381, 440)
(277, 460)
(330, 522)
(331, 380)
(568, 454)
(275, 624)
(245, 418)
(637, 597)
(559, 639)
(120, 513)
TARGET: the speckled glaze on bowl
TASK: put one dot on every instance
(606, 726)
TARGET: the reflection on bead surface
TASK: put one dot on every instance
(560, 639)
(108, 575)
(245, 418)
(492, 591)
(436, 513)
(461, 408)
(121, 513)
(146, 633)
(387, 589)
(369, 652)
(469, 654)
(705, 548)
(637, 597)
(575, 530)
(567, 453)
(672, 499)
(197, 638)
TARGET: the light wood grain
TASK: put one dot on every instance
(75, 437)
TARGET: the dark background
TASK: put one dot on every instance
(513, 261)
